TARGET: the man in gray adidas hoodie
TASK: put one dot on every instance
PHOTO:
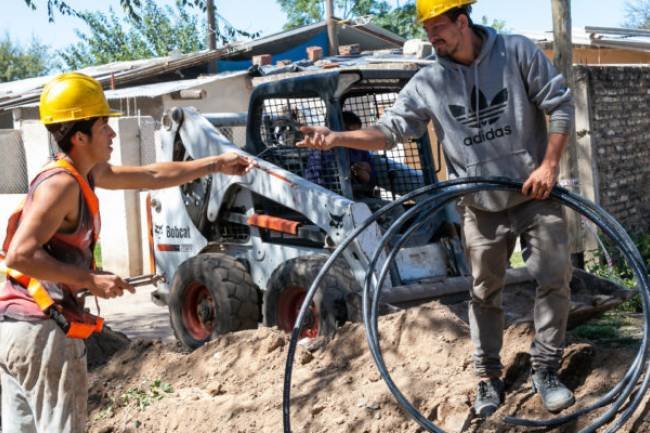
(488, 96)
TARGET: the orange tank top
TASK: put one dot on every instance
(75, 248)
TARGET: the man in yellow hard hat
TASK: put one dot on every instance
(49, 258)
(488, 96)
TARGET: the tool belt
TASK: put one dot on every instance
(79, 326)
(75, 324)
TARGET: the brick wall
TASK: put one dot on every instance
(619, 133)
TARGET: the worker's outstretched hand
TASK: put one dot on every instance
(107, 285)
(234, 164)
(318, 137)
(539, 184)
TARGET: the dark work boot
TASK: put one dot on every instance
(554, 394)
(489, 396)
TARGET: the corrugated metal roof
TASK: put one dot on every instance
(20, 87)
(155, 90)
(120, 73)
(27, 92)
(605, 37)
(159, 89)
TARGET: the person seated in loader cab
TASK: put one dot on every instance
(49, 257)
(321, 165)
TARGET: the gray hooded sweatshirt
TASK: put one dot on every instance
(489, 116)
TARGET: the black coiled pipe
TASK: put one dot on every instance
(436, 196)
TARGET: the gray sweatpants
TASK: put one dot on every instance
(44, 379)
(490, 238)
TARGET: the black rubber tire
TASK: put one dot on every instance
(227, 291)
(330, 301)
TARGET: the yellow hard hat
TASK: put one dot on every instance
(73, 96)
(427, 9)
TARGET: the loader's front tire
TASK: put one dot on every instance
(288, 286)
(211, 294)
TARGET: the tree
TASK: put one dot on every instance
(17, 62)
(156, 32)
(498, 25)
(400, 20)
(130, 6)
(134, 8)
(637, 14)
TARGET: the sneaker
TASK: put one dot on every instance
(489, 396)
(554, 394)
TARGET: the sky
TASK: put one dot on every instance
(22, 24)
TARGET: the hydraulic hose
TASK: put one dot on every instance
(436, 196)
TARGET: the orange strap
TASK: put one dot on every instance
(82, 331)
(89, 195)
(77, 329)
(274, 223)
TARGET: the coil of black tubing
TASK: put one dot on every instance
(628, 382)
(438, 195)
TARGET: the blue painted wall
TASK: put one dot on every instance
(297, 52)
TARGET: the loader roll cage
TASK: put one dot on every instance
(277, 110)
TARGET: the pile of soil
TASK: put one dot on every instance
(234, 383)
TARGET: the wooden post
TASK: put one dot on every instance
(562, 43)
(332, 33)
(569, 174)
(212, 35)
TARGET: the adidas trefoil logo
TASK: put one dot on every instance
(486, 114)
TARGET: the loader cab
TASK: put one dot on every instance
(278, 108)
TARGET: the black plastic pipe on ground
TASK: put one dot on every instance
(432, 198)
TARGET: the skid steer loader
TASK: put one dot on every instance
(235, 251)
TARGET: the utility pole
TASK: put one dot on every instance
(332, 31)
(562, 43)
(212, 35)
(569, 172)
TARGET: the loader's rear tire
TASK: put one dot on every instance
(288, 286)
(211, 294)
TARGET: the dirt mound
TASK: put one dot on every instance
(101, 347)
(234, 384)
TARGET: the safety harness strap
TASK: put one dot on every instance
(75, 326)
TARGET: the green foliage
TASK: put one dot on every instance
(134, 10)
(498, 25)
(400, 20)
(17, 62)
(52, 6)
(613, 328)
(138, 396)
(614, 268)
(141, 397)
(97, 255)
(129, 6)
(111, 38)
(301, 12)
(517, 260)
(637, 14)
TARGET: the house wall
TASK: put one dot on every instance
(6, 120)
(121, 210)
(222, 96)
(613, 129)
(605, 56)
(121, 241)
